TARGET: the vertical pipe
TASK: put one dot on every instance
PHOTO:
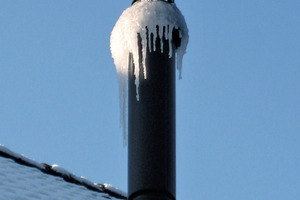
(151, 139)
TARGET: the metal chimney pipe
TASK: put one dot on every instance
(151, 139)
(148, 32)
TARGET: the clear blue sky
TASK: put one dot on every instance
(238, 113)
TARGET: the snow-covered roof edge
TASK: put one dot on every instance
(55, 170)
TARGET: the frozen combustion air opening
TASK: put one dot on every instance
(153, 40)
(142, 19)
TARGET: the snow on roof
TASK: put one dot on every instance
(23, 178)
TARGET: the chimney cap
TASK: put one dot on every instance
(167, 1)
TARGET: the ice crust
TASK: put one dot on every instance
(141, 18)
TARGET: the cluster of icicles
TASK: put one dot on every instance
(143, 18)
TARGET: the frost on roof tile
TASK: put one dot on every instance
(23, 178)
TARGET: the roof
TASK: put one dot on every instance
(23, 178)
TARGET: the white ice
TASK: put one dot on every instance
(124, 40)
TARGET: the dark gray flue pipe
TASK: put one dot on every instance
(152, 135)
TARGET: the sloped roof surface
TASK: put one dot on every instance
(25, 179)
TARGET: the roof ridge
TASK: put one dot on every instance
(58, 171)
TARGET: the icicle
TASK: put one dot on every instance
(170, 41)
(150, 41)
(160, 33)
(144, 51)
(154, 39)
